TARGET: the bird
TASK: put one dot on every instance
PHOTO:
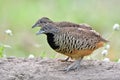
(45, 20)
(73, 42)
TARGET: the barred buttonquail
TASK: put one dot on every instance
(44, 21)
(72, 42)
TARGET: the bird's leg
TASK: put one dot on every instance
(74, 65)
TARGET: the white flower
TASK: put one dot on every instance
(116, 27)
(31, 56)
(106, 60)
(107, 46)
(4, 55)
(7, 46)
(37, 45)
(9, 32)
(104, 52)
(118, 61)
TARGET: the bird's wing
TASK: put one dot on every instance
(81, 33)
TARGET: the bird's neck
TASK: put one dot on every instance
(50, 39)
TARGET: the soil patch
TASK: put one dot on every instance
(49, 69)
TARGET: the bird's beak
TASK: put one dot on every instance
(40, 32)
(35, 25)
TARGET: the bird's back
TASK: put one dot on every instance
(70, 24)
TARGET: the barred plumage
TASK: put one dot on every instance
(64, 24)
(70, 41)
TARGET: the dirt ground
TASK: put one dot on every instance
(49, 69)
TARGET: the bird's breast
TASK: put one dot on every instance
(51, 41)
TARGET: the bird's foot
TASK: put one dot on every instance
(73, 66)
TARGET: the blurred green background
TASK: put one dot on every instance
(20, 15)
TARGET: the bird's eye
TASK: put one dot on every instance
(42, 22)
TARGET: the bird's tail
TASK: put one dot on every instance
(104, 40)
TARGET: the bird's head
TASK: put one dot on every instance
(41, 22)
(46, 29)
